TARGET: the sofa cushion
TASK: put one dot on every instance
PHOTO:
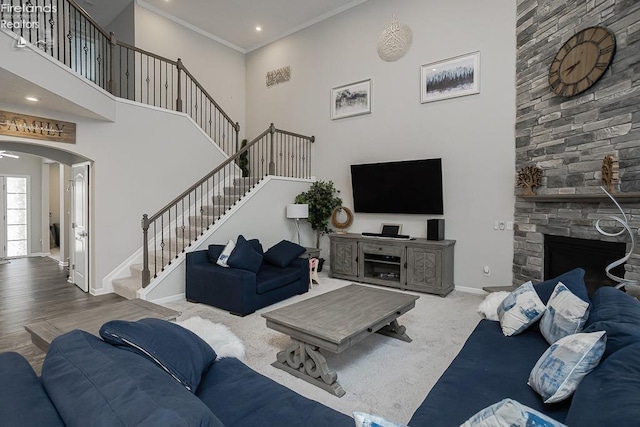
(213, 253)
(558, 372)
(23, 401)
(91, 381)
(284, 253)
(241, 397)
(166, 344)
(509, 413)
(618, 314)
(244, 256)
(519, 310)
(490, 367)
(608, 396)
(565, 314)
(256, 245)
(574, 280)
(271, 277)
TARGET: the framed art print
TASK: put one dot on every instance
(350, 100)
(450, 78)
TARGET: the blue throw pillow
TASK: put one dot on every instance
(519, 310)
(256, 245)
(618, 314)
(560, 369)
(214, 252)
(573, 280)
(565, 314)
(180, 352)
(91, 382)
(508, 413)
(614, 384)
(283, 253)
(244, 256)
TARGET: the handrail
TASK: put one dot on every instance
(273, 152)
(88, 17)
(146, 52)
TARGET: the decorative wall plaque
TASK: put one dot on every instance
(610, 173)
(281, 75)
(394, 41)
(529, 178)
(24, 126)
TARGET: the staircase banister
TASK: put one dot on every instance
(88, 17)
(210, 98)
(146, 52)
(297, 135)
(209, 175)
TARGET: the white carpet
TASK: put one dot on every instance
(380, 375)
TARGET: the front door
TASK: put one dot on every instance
(80, 225)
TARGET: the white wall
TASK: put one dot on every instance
(30, 166)
(473, 135)
(123, 25)
(220, 70)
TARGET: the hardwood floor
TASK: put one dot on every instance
(33, 289)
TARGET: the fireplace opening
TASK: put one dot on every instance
(562, 254)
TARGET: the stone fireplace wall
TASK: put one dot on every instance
(569, 137)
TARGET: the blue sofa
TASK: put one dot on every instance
(241, 291)
(491, 367)
(88, 381)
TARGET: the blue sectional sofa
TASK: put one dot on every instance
(491, 367)
(242, 291)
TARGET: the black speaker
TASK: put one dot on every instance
(435, 229)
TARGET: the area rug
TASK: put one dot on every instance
(224, 342)
(381, 375)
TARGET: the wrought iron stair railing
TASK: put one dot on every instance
(65, 31)
(167, 233)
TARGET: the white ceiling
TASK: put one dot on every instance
(233, 22)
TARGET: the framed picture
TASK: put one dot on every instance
(450, 78)
(351, 100)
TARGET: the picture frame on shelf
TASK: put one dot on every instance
(353, 99)
(450, 78)
(390, 229)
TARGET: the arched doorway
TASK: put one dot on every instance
(57, 188)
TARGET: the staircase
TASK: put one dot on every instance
(183, 236)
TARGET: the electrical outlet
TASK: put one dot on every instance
(509, 225)
(486, 270)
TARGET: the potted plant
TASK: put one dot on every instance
(322, 198)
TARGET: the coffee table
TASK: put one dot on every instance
(335, 321)
(42, 333)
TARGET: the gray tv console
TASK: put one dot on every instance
(419, 264)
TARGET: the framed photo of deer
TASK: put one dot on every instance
(353, 99)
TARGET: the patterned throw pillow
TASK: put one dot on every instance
(565, 314)
(224, 256)
(519, 310)
(363, 419)
(561, 368)
(509, 413)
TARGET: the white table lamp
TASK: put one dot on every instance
(297, 211)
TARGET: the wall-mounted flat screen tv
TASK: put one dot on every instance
(407, 187)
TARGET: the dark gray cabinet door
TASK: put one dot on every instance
(343, 257)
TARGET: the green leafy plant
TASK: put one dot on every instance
(322, 198)
(243, 160)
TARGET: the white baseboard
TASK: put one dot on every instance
(469, 290)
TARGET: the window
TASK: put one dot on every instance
(17, 227)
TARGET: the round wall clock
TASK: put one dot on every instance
(581, 61)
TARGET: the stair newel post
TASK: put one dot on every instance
(146, 274)
(112, 63)
(272, 163)
(179, 99)
(237, 137)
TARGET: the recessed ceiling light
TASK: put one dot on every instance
(32, 98)
(258, 28)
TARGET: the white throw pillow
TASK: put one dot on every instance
(565, 314)
(561, 368)
(363, 419)
(520, 309)
(224, 256)
(509, 413)
(489, 307)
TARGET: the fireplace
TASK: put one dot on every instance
(562, 254)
